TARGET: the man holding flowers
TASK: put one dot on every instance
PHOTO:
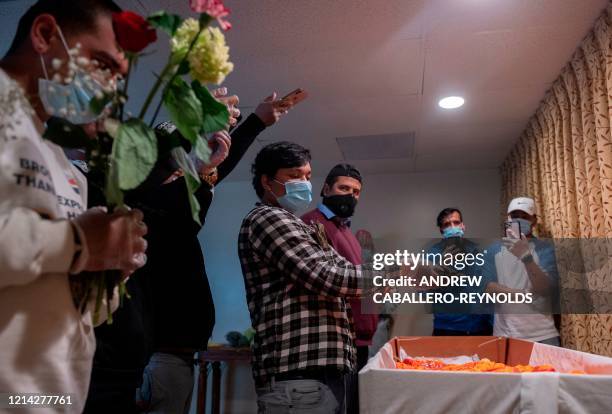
(46, 231)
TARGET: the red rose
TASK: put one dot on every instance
(133, 32)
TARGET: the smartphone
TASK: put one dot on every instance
(512, 229)
(294, 97)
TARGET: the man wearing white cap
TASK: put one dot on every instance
(521, 263)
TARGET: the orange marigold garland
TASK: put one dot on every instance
(484, 365)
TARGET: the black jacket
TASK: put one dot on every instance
(171, 306)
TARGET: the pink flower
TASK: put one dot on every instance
(214, 8)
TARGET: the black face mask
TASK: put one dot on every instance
(341, 205)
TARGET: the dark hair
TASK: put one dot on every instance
(275, 156)
(447, 212)
(72, 16)
(341, 170)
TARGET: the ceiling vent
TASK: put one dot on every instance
(377, 147)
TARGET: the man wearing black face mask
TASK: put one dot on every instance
(340, 194)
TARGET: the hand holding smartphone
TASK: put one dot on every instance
(512, 229)
(293, 98)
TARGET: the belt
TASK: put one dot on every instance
(321, 374)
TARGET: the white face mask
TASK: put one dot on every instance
(70, 101)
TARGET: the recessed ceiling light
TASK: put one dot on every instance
(451, 102)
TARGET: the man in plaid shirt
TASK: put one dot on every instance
(296, 288)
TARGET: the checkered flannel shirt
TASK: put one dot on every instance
(296, 285)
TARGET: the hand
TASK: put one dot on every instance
(231, 102)
(452, 248)
(220, 144)
(405, 270)
(111, 241)
(271, 110)
(518, 247)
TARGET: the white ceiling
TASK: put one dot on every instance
(376, 67)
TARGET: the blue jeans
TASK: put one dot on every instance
(297, 396)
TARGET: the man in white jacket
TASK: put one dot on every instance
(46, 231)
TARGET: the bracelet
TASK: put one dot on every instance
(211, 177)
(528, 258)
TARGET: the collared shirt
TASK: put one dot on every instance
(331, 215)
(296, 285)
(326, 211)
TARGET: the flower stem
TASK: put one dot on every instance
(131, 60)
(159, 105)
(174, 75)
(156, 86)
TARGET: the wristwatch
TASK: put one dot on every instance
(527, 258)
(210, 177)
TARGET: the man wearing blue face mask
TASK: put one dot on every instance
(467, 320)
(296, 287)
(522, 263)
(47, 234)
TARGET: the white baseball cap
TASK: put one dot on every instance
(525, 204)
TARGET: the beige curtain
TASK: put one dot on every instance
(564, 161)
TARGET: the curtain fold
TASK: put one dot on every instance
(563, 160)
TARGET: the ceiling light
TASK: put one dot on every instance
(451, 102)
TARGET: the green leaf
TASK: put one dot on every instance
(135, 152)
(185, 109)
(114, 195)
(169, 23)
(66, 134)
(192, 186)
(183, 68)
(216, 115)
(202, 150)
(191, 180)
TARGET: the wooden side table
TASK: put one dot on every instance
(215, 356)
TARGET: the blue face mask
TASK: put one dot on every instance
(298, 195)
(525, 225)
(452, 232)
(70, 101)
